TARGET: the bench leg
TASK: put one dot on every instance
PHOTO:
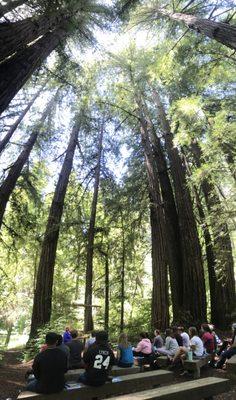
(196, 374)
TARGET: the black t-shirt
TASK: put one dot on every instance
(76, 347)
(49, 368)
(98, 359)
(179, 339)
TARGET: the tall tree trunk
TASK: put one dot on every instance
(107, 287)
(16, 71)
(9, 183)
(194, 295)
(9, 332)
(220, 31)
(88, 318)
(10, 6)
(122, 292)
(160, 298)
(172, 224)
(43, 294)
(13, 128)
(224, 310)
(15, 36)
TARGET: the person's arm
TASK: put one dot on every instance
(118, 354)
(139, 347)
(36, 367)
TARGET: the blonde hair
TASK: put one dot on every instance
(123, 340)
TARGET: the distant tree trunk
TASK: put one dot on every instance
(107, 287)
(171, 223)
(15, 36)
(9, 332)
(17, 70)
(10, 6)
(13, 128)
(43, 293)
(194, 294)
(220, 31)
(122, 292)
(9, 183)
(223, 311)
(160, 298)
(88, 318)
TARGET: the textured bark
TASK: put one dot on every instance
(220, 31)
(171, 223)
(13, 128)
(122, 292)
(194, 295)
(10, 6)
(223, 312)
(160, 301)
(43, 293)
(15, 36)
(9, 183)
(88, 318)
(15, 72)
(107, 286)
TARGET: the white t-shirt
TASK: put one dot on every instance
(186, 340)
(199, 349)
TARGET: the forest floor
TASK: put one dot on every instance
(12, 372)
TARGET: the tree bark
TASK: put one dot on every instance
(223, 311)
(43, 294)
(160, 298)
(107, 286)
(219, 31)
(9, 183)
(13, 128)
(10, 6)
(88, 318)
(122, 293)
(15, 36)
(172, 224)
(16, 71)
(194, 294)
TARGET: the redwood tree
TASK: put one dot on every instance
(43, 293)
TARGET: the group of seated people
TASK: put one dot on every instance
(59, 354)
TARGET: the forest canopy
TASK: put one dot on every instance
(117, 173)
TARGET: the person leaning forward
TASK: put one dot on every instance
(49, 368)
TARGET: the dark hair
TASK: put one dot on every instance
(181, 328)
(168, 332)
(74, 333)
(59, 340)
(193, 331)
(51, 338)
(206, 328)
(143, 335)
(175, 329)
(101, 336)
(93, 333)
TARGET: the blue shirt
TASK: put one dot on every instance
(67, 337)
(126, 355)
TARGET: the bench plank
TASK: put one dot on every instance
(73, 374)
(119, 385)
(196, 390)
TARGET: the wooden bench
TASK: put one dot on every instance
(119, 385)
(73, 374)
(196, 365)
(201, 389)
(231, 367)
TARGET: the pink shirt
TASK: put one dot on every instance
(144, 346)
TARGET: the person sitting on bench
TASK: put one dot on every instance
(98, 360)
(76, 347)
(177, 335)
(208, 339)
(171, 345)
(67, 335)
(144, 347)
(195, 346)
(231, 350)
(157, 341)
(90, 341)
(185, 336)
(124, 352)
(49, 368)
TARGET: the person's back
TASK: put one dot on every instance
(90, 341)
(98, 360)
(49, 368)
(157, 341)
(208, 339)
(76, 347)
(185, 337)
(67, 336)
(124, 352)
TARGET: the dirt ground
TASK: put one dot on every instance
(12, 372)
